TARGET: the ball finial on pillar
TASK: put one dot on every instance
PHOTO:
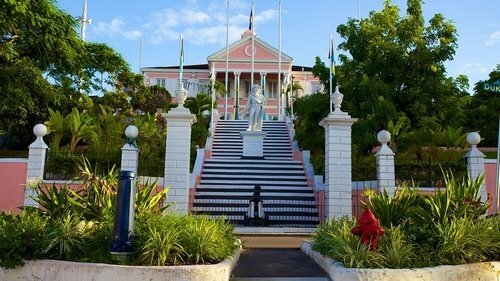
(473, 138)
(40, 130)
(384, 137)
(131, 132)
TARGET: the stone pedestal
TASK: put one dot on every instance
(475, 162)
(36, 164)
(178, 143)
(253, 144)
(338, 175)
(386, 176)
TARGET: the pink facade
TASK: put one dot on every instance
(266, 70)
(12, 185)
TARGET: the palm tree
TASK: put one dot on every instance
(199, 104)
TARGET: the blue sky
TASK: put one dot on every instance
(306, 26)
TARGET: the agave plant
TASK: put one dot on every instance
(148, 198)
(58, 201)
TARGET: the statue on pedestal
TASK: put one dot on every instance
(255, 108)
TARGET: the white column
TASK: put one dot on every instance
(475, 162)
(338, 162)
(130, 151)
(236, 103)
(386, 177)
(36, 163)
(178, 143)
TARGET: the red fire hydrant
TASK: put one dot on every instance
(368, 229)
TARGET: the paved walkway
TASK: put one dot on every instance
(270, 258)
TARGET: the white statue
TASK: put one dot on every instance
(255, 108)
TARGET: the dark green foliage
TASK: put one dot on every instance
(77, 226)
(20, 237)
(484, 109)
(448, 227)
(173, 240)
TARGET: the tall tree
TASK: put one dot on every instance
(484, 110)
(394, 67)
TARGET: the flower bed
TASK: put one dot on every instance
(52, 270)
(485, 271)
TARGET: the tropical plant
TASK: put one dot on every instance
(160, 240)
(56, 202)
(206, 240)
(56, 126)
(334, 239)
(20, 237)
(148, 198)
(395, 210)
(98, 192)
(79, 126)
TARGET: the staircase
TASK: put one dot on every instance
(227, 181)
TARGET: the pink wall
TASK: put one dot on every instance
(490, 174)
(13, 177)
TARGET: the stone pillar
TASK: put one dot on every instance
(386, 177)
(178, 144)
(237, 96)
(130, 151)
(475, 162)
(36, 164)
(263, 86)
(338, 174)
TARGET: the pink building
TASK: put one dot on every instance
(265, 73)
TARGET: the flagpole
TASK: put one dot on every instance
(227, 61)
(279, 63)
(330, 56)
(253, 47)
(181, 61)
(497, 195)
(140, 55)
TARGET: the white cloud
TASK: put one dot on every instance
(469, 68)
(132, 34)
(113, 27)
(192, 17)
(265, 16)
(493, 39)
(199, 24)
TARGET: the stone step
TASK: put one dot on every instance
(250, 162)
(301, 189)
(253, 172)
(244, 202)
(248, 194)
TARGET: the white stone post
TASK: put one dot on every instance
(386, 177)
(36, 164)
(130, 151)
(338, 174)
(475, 162)
(178, 144)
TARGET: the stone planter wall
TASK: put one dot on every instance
(486, 271)
(51, 270)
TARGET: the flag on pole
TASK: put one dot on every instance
(331, 56)
(181, 59)
(250, 22)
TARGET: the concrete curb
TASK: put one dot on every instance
(486, 271)
(52, 270)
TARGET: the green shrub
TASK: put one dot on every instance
(20, 237)
(448, 227)
(334, 239)
(64, 237)
(171, 240)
